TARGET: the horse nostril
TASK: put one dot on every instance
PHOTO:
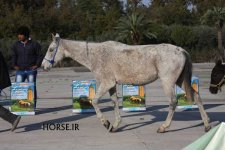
(48, 68)
(213, 91)
(45, 68)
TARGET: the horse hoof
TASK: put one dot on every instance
(161, 130)
(207, 128)
(208, 119)
(113, 130)
(108, 125)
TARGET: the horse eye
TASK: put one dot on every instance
(51, 50)
(218, 75)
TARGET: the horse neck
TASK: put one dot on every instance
(77, 51)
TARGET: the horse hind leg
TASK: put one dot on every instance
(203, 113)
(168, 88)
(114, 97)
(193, 95)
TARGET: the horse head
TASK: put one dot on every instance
(217, 77)
(54, 54)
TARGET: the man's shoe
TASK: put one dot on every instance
(15, 123)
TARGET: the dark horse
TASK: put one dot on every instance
(217, 77)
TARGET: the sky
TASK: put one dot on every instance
(146, 2)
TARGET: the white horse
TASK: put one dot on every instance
(116, 63)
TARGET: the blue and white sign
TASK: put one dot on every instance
(133, 98)
(22, 98)
(183, 103)
(83, 94)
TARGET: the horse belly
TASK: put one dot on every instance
(140, 78)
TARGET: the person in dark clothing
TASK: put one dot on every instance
(26, 58)
(4, 74)
(5, 82)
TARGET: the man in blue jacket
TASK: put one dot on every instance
(26, 58)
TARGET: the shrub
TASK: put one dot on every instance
(206, 37)
(162, 32)
(183, 36)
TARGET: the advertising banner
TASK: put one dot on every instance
(22, 98)
(133, 98)
(83, 94)
(183, 103)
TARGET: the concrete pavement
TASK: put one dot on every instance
(137, 131)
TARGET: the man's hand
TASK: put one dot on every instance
(16, 68)
(34, 67)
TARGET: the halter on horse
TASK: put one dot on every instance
(56, 50)
(217, 77)
(219, 85)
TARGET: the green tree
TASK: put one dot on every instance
(133, 28)
(99, 17)
(216, 16)
(133, 4)
(201, 6)
(171, 12)
(183, 36)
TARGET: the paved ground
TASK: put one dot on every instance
(137, 131)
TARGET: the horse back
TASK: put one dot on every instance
(144, 63)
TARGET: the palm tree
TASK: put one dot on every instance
(216, 16)
(133, 28)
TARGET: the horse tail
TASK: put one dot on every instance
(184, 80)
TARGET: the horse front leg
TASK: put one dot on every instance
(114, 97)
(166, 124)
(100, 92)
(169, 90)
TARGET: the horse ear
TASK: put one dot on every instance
(218, 59)
(219, 62)
(53, 37)
(57, 37)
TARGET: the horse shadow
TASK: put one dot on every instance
(52, 110)
(73, 118)
(160, 116)
(62, 108)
